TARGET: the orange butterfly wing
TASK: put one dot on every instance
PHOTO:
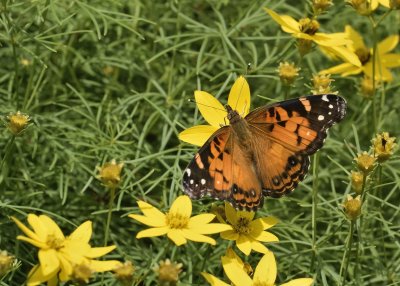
(223, 171)
(287, 133)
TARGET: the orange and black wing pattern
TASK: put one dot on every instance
(221, 170)
(287, 133)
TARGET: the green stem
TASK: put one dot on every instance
(314, 210)
(110, 207)
(347, 254)
(7, 151)
(374, 49)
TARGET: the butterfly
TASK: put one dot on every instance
(266, 153)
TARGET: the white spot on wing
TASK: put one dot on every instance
(321, 117)
(202, 181)
(325, 98)
(191, 181)
(188, 172)
(330, 106)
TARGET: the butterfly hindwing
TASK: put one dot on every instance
(218, 170)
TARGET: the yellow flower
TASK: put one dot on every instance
(17, 122)
(215, 113)
(6, 262)
(264, 274)
(110, 173)
(248, 233)
(383, 146)
(177, 223)
(306, 29)
(384, 60)
(168, 272)
(57, 253)
(357, 180)
(365, 162)
(287, 72)
(124, 273)
(320, 6)
(352, 207)
(322, 84)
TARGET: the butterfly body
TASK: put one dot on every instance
(266, 153)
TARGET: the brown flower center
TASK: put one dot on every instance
(364, 55)
(242, 226)
(308, 26)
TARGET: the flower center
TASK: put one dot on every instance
(54, 242)
(309, 26)
(364, 55)
(242, 226)
(177, 221)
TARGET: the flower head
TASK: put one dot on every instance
(384, 60)
(215, 113)
(365, 162)
(168, 272)
(17, 122)
(247, 232)
(352, 207)
(363, 7)
(322, 84)
(320, 6)
(57, 253)
(110, 174)
(383, 146)
(264, 274)
(177, 223)
(357, 180)
(288, 72)
(81, 273)
(124, 273)
(6, 262)
(306, 30)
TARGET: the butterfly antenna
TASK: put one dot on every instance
(199, 103)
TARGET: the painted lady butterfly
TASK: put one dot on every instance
(265, 153)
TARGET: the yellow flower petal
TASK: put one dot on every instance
(287, 22)
(200, 219)
(197, 135)
(36, 243)
(38, 227)
(258, 246)
(232, 254)
(211, 228)
(385, 3)
(36, 276)
(151, 211)
(266, 269)
(381, 72)
(388, 44)
(182, 206)
(52, 227)
(95, 252)
(25, 229)
(239, 96)
(49, 261)
(214, 281)
(358, 42)
(156, 231)
(101, 266)
(230, 235)
(66, 267)
(299, 282)
(336, 39)
(148, 221)
(176, 236)
(265, 222)
(211, 109)
(190, 235)
(345, 54)
(391, 60)
(243, 243)
(265, 237)
(82, 232)
(345, 67)
(235, 272)
(53, 281)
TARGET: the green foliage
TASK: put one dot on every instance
(106, 80)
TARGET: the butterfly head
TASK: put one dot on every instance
(233, 115)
